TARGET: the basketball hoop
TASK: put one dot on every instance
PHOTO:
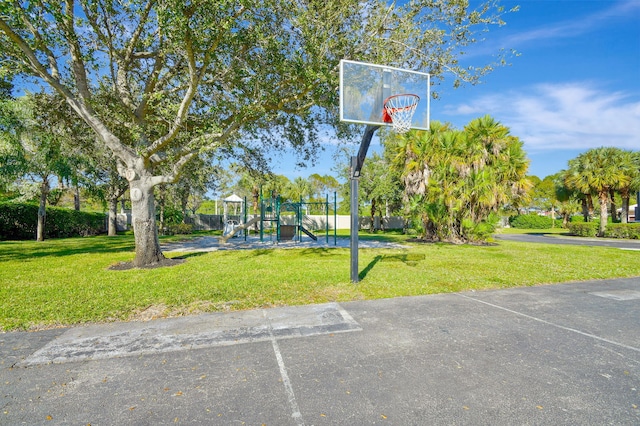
(398, 110)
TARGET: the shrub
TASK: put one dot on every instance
(482, 231)
(531, 221)
(20, 221)
(584, 229)
(179, 229)
(623, 230)
(172, 216)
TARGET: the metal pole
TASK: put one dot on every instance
(356, 167)
(246, 230)
(354, 221)
(326, 218)
(335, 219)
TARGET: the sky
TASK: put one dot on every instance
(574, 86)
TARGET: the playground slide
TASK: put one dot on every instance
(309, 233)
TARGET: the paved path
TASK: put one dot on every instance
(561, 239)
(548, 355)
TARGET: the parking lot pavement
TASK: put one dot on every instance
(578, 241)
(545, 355)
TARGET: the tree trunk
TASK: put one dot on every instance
(161, 204)
(113, 217)
(144, 224)
(590, 207)
(585, 209)
(76, 198)
(183, 205)
(614, 214)
(373, 215)
(603, 197)
(624, 215)
(42, 210)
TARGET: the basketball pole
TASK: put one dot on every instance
(356, 167)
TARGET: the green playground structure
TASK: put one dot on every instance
(285, 218)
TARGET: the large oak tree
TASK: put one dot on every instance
(191, 76)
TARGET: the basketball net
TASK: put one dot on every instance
(398, 110)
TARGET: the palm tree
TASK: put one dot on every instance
(575, 180)
(299, 189)
(456, 179)
(629, 163)
(599, 170)
(489, 138)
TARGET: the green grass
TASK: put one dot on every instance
(68, 281)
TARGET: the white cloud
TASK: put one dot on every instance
(568, 116)
(553, 32)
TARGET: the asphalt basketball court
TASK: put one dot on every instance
(564, 354)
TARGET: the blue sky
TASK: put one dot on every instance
(575, 85)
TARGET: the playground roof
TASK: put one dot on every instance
(233, 198)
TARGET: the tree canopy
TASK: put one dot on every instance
(160, 82)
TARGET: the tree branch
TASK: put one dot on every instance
(190, 93)
(79, 70)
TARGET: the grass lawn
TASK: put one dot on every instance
(68, 281)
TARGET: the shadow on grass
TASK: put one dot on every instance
(391, 237)
(188, 255)
(24, 250)
(369, 267)
(323, 252)
(294, 252)
(409, 259)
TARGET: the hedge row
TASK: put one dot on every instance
(179, 229)
(531, 221)
(623, 230)
(613, 230)
(20, 222)
(584, 229)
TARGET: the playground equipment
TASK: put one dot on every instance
(230, 224)
(279, 220)
(284, 219)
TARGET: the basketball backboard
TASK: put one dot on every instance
(364, 88)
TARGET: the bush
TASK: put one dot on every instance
(482, 231)
(531, 221)
(179, 229)
(584, 229)
(20, 222)
(623, 230)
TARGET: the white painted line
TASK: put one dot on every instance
(295, 410)
(347, 317)
(103, 341)
(573, 330)
(619, 295)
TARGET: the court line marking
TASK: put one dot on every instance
(291, 396)
(573, 330)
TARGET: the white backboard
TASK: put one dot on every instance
(364, 87)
